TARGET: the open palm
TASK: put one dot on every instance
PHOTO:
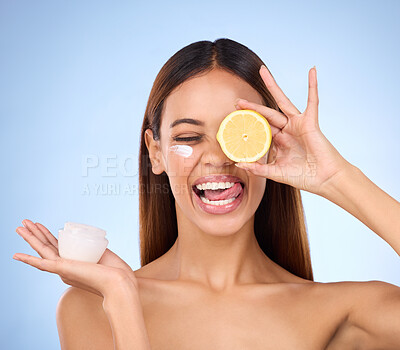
(42, 240)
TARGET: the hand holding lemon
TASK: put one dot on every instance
(300, 156)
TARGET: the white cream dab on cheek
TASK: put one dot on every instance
(182, 150)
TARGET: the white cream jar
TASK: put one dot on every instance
(81, 242)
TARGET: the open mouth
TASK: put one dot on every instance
(219, 197)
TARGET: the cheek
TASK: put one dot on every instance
(181, 160)
(180, 163)
(181, 150)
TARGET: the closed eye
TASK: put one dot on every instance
(187, 139)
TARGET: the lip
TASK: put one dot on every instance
(218, 178)
(219, 209)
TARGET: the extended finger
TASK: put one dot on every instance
(53, 240)
(34, 229)
(44, 249)
(313, 100)
(59, 267)
(276, 120)
(281, 99)
(41, 264)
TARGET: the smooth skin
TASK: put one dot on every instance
(215, 288)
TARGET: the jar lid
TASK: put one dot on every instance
(85, 230)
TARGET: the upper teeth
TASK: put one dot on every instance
(214, 185)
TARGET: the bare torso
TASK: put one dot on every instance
(293, 315)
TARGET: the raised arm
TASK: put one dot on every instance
(352, 190)
(302, 157)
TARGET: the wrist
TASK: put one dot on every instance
(121, 294)
(339, 180)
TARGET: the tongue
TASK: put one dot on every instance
(216, 195)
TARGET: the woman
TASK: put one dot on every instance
(241, 278)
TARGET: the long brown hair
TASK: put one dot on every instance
(279, 223)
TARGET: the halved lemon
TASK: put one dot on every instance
(244, 135)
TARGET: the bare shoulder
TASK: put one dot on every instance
(82, 322)
(151, 277)
(372, 315)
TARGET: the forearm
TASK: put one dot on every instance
(125, 315)
(356, 193)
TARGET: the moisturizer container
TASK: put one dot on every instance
(81, 242)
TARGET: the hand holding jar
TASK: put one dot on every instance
(77, 241)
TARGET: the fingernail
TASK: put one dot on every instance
(239, 165)
(16, 258)
(263, 66)
(24, 223)
(315, 68)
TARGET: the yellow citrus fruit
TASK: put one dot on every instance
(244, 135)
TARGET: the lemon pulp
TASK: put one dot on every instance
(244, 135)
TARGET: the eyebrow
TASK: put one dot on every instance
(187, 121)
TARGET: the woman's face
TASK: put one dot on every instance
(208, 99)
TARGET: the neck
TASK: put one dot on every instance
(220, 262)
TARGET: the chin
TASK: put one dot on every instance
(220, 225)
(223, 230)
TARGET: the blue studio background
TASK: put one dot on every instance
(75, 78)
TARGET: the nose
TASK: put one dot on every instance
(214, 156)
